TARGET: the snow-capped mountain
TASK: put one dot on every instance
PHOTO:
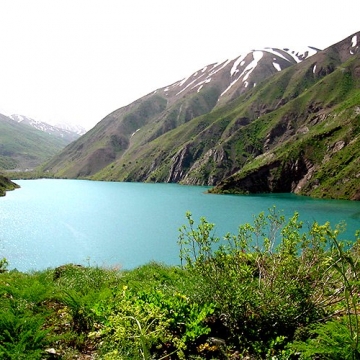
(75, 128)
(166, 108)
(233, 77)
(63, 131)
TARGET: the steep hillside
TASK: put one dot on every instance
(292, 130)
(133, 127)
(24, 147)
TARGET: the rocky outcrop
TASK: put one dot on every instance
(276, 176)
(214, 159)
(299, 173)
(180, 164)
(6, 185)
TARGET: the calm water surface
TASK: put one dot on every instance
(47, 222)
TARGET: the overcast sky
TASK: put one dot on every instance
(78, 60)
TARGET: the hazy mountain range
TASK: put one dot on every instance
(66, 131)
(26, 143)
(271, 120)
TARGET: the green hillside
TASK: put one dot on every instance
(23, 147)
(312, 142)
(297, 132)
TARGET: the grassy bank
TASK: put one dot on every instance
(274, 290)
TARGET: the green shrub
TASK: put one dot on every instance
(23, 334)
(137, 324)
(268, 280)
(3, 265)
(331, 340)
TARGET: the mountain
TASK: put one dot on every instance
(68, 132)
(272, 120)
(169, 107)
(24, 147)
(74, 128)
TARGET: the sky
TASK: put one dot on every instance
(76, 61)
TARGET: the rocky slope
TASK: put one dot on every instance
(269, 120)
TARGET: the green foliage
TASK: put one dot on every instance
(140, 323)
(7, 163)
(22, 335)
(271, 278)
(331, 340)
(3, 265)
(338, 338)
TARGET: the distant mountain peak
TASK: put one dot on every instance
(75, 128)
(63, 131)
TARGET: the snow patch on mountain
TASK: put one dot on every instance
(231, 85)
(224, 64)
(297, 56)
(201, 84)
(183, 89)
(277, 53)
(257, 55)
(277, 66)
(75, 128)
(234, 68)
(227, 73)
(354, 41)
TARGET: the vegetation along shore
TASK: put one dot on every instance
(275, 290)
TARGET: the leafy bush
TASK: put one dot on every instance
(330, 340)
(22, 331)
(270, 279)
(151, 322)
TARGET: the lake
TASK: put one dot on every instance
(48, 222)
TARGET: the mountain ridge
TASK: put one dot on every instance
(174, 104)
(195, 132)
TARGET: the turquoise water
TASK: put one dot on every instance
(47, 222)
